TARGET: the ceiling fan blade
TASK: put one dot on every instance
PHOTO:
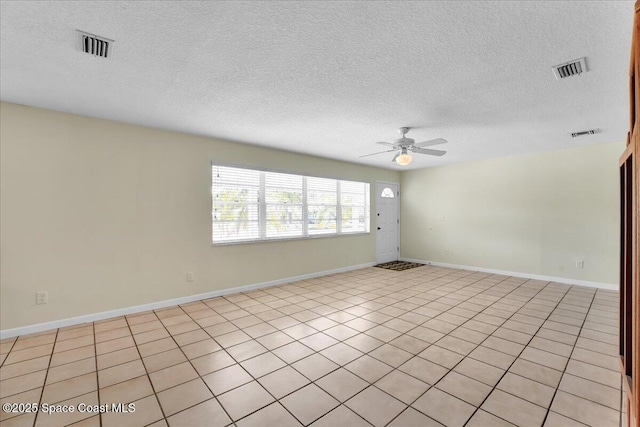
(389, 144)
(429, 151)
(430, 142)
(395, 157)
(379, 152)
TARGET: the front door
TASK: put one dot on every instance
(387, 222)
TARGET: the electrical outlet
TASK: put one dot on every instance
(446, 251)
(442, 218)
(190, 276)
(580, 264)
(42, 297)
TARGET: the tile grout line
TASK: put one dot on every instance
(155, 394)
(301, 322)
(46, 375)
(13, 344)
(460, 325)
(194, 368)
(562, 372)
(517, 357)
(566, 364)
(477, 346)
(431, 344)
(315, 352)
(242, 367)
(287, 364)
(360, 332)
(398, 317)
(360, 286)
(460, 302)
(371, 384)
(290, 365)
(95, 355)
(222, 348)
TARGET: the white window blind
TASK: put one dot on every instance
(354, 202)
(283, 198)
(251, 205)
(322, 205)
(236, 204)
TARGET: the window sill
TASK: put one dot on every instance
(289, 239)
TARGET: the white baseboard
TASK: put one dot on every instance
(600, 285)
(23, 330)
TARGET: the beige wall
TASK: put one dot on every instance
(106, 215)
(535, 214)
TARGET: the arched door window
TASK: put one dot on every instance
(388, 193)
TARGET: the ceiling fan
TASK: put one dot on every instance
(406, 145)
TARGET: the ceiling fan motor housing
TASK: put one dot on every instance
(404, 141)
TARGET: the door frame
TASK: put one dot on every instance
(397, 198)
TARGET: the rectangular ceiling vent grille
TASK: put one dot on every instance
(571, 68)
(584, 132)
(95, 45)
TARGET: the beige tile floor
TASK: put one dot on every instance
(423, 347)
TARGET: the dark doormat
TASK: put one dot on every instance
(398, 265)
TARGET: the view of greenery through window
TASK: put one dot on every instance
(253, 205)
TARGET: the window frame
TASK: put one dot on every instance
(305, 230)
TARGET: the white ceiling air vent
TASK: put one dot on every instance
(95, 45)
(584, 132)
(571, 68)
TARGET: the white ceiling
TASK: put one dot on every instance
(331, 78)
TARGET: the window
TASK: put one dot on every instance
(322, 206)
(354, 204)
(252, 205)
(235, 204)
(283, 204)
(387, 193)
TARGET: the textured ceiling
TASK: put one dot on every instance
(331, 78)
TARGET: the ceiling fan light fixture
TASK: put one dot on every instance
(404, 145)
(404, 159)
